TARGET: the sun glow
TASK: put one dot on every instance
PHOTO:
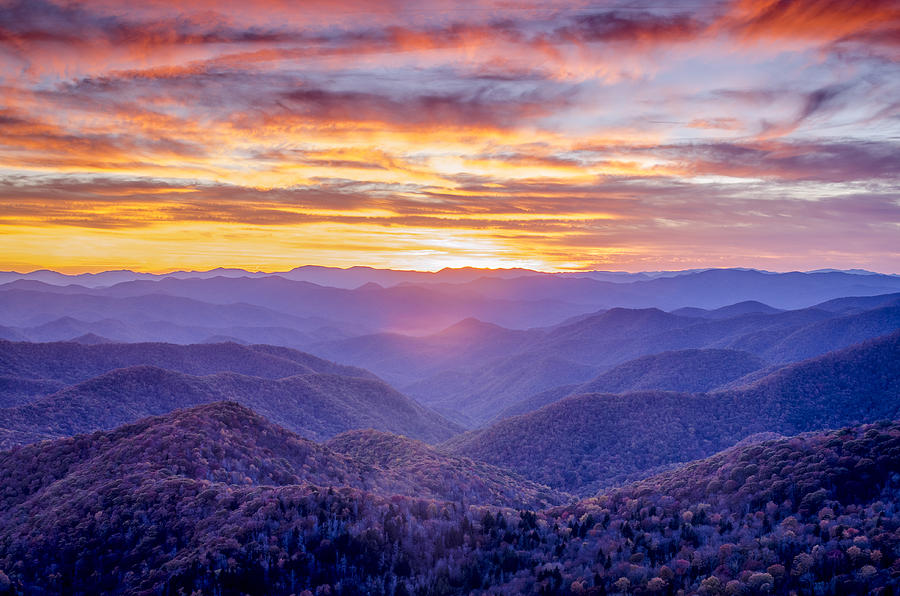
(416, 137)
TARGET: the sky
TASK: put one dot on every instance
(643, 135)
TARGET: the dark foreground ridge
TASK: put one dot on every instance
(197, 500)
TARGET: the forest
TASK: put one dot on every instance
(449, 298)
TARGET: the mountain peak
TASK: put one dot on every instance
(370, 286)
(90, 339)
(470, 326)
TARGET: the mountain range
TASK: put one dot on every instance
(505, 298)
(587, 441)
(361, 431)
(473, 371)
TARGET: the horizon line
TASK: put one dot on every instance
(91, 271)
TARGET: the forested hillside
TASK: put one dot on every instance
(70, 362)
(584, 442)
(809, 514)
(590, 346)
(316, 406)
(685, 370)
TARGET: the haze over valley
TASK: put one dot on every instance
(429, 298)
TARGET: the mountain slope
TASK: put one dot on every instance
(123, 512)
(691, 371)
(677, 370)
(536, 401)
(482, 386)
(454, 478)
(851, 304)
(587, 441)
(402, 359)
(809, 514)
(478, 395)
(836, 333)
(71, 362)
(314, 405)
(229, 443)
(15, 390)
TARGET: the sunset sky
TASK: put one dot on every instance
(605, 135)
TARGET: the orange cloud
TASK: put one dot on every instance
(817, 19)
(557, 136)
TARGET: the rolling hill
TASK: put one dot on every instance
(224, 442)
(315, 405)
(588, 346)
(448, 477)
(746, 307)
(129, 510)
(584, 442)
(681, 370)
(691, 371)
(50, 365)
(189, 469)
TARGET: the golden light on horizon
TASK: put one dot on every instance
(409, 138)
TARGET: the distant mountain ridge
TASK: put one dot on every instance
(574, 353)
(511, 298)
(71, 362)
(354, 277)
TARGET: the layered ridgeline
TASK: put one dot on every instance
(29, 370)
(240, 305)
(225, 442)
(217, 500)
(71, 362)
(42, 314)
(61, 389)
(316, 406)
(678, 370)
(706, 289)
(299, 308)
(502, 340)
(473, 371)
(584, 442)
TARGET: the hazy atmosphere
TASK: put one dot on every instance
(443, 298)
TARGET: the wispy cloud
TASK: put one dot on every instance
(560, 134)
